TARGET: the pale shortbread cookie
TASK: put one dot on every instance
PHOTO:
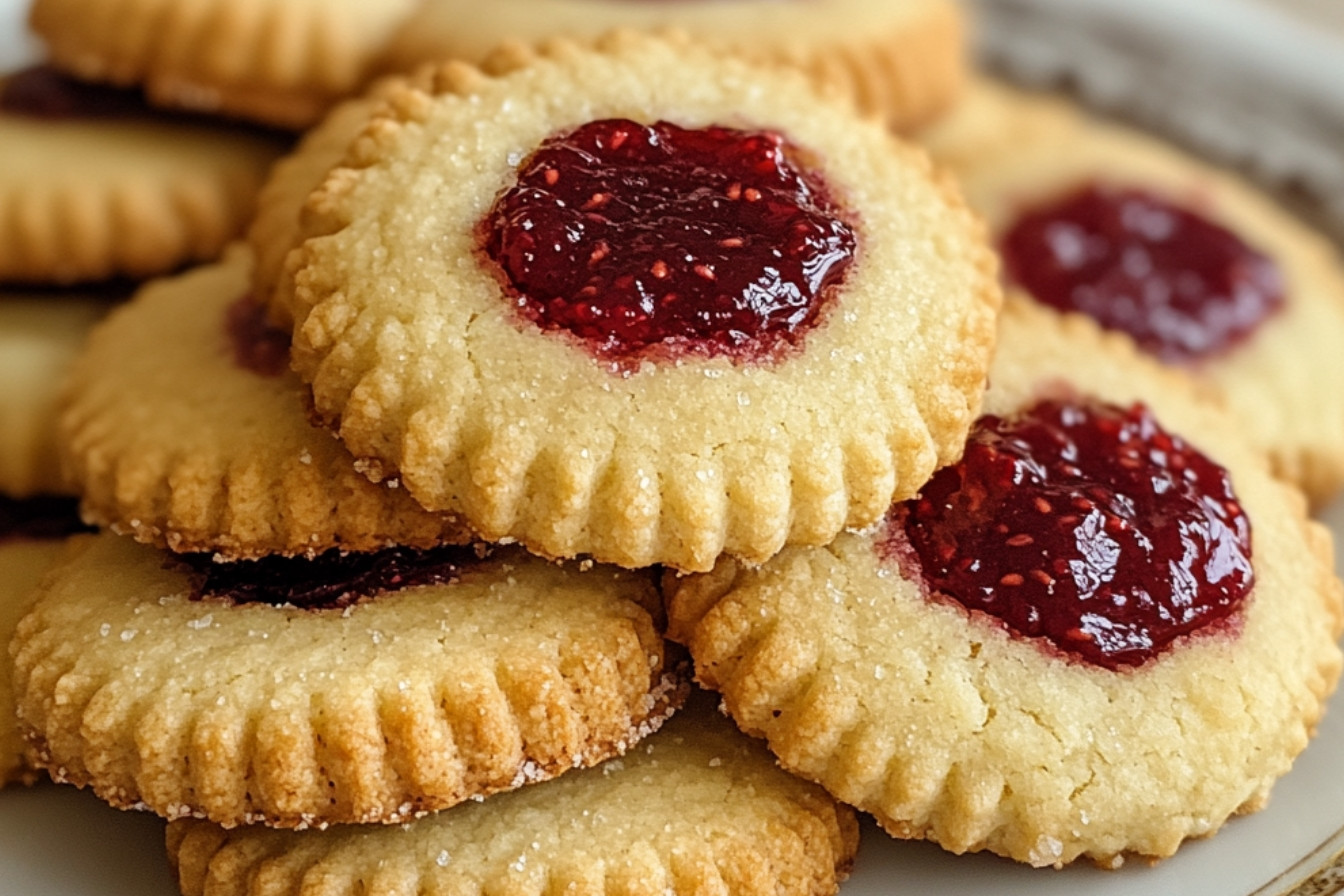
(281, 62)
(399, 704)
(41, 334)
(22, 563)
(696, 808)
(84, 199)
(946, 727)
(417, 359)
(1012, 151)
(170, 439)
(904, 60)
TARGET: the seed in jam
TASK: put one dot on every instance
(1183, 286)
(329, 581)
(714, 242)
(1083, 523)
(41, 516)
(43, 92)
(257, 345)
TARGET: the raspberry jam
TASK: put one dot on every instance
(1184, 287)
(329, 581)
(713, 242)
(43, 92)
(44, 516)
(257, 345)
(1085, 524)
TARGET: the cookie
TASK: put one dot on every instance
(183, 427)
(1251, 300)
(1025, 698)
(352, 688)
(278, 62)
(696, 808)
(904, 61)
(806, 341)
(41, 333)
(95, 185)
(31, 541)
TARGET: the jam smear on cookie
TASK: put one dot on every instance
(257, 345)
(41, 516)
(1083, 523)
(332, 580)
(1183, 286)
(43, 92)
(713, 242)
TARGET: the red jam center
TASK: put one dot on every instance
(1086, 524)
(44, 516)
(257, 345)
(330, 580)
(1184, 287)
(43, 92)
(715, 242)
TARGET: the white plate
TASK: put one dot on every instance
(57, 841)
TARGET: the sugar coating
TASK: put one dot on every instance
(279, 62)
(397, 706)
(946, 727)
(902, 60)
(697, 808)
(170, 440)
(416, 360)
(85, 200)
(1012, 150)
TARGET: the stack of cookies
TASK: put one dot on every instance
(578, 370)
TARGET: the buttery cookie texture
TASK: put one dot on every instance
(1136, 717)
(97, 185)
(1205, 271)
(278, 62)
(903, 60)
(362, 688)
(183, 426)
(784, 328)
(696, 808)
(41, 333)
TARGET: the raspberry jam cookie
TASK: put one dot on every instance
(351, 688)
(32, 535)
(184, 427)
(1201, 269)
(96, 185)
(903, 60)
(696, 808)
(1105, 630)
(278, 62)
(41, 333)
(600, 311)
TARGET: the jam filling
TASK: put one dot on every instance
(257, 346)
(1184, 287)
(329, 581)
(40, 517)
(43, 92)
(713, 242)
(1085, 524)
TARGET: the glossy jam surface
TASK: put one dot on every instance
(634, 238)
(1183, 286)
(256, 344)
(46, 516)
(1085, 524)
(330, 580)
(42, 92)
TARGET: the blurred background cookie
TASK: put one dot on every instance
(278, 62)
